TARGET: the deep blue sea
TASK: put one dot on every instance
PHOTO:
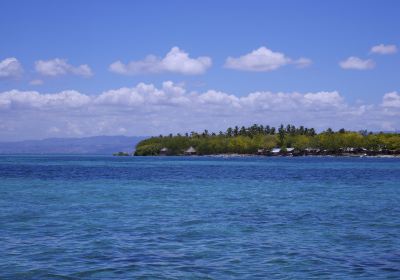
(101, 217)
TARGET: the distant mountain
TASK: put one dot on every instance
(106, 145)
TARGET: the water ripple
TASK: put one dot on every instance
(88, 217)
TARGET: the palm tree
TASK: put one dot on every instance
(281, 132)
(229, 132)
(236, 131)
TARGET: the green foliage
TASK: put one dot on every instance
(242, 140)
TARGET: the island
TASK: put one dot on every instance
(270, 141)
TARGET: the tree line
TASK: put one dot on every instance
(249, 140)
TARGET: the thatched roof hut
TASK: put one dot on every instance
(261, 152)
(190, 151)
(276, 151)
(164, 151)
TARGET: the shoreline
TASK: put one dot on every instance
(277, 156)
(290, 156)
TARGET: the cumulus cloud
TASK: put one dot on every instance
(146, 109)
(262, 60)
(384, 49)
(391, 100)
(175, 61)
(58, 66)
(357, 63)
(10, 68)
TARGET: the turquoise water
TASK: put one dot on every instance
(94, 217)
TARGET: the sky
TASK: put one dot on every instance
(85, 68)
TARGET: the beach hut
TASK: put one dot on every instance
(312, 151)
(289, 151)
(261, 152)
(349, 150)
(275, 151)
(190, 151)
(164, 151)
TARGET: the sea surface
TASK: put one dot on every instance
(101, 217)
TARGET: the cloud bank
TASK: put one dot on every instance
(149, 110)
(263, 60)
(57, 67)
(175, 61)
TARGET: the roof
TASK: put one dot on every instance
(276, 150)
(164, 149)
(289, 149)
(191, 150)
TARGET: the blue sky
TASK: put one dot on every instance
(99, 33)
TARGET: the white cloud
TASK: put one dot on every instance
(286, 102)
(10, 68)
(58, 66)
(175, 61)
(262, 60)
(357, 63)
(384, 49)
(15, 99)
(391, 100)
(149, 110)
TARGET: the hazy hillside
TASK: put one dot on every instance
(88, 145)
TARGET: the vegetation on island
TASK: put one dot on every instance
(259, 139)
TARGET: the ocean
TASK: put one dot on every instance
(102, 217)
